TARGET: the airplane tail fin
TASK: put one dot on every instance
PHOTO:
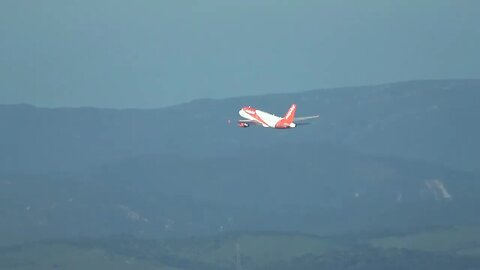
(290, 115)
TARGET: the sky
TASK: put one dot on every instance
(154, 53)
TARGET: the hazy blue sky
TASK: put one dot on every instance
(154, 53)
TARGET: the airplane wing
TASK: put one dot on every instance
(246, 121)
(304, 118)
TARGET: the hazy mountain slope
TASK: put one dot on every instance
(309, 188)
(433, 121)
(380, 158)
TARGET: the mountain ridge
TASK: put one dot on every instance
(425, 120)
(338, 88)
(379, 158)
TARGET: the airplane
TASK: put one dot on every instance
(258, 117)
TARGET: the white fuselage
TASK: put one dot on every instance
(264, 118)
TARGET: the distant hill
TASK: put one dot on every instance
(397, 157)
(433, 121)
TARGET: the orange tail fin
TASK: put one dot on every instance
(290, 115)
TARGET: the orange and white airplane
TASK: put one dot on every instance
(258, 117)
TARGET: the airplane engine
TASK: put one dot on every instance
(243, 125)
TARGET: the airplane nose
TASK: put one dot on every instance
(243, 113)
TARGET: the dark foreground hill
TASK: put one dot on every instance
(434, 121)
(259, 250)
(322, 190)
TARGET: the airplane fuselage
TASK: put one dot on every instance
(265, 119)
